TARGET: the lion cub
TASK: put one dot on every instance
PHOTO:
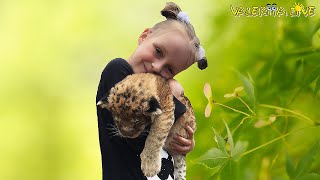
(143, 99)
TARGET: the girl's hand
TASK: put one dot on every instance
(181, 145)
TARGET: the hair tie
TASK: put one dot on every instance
(182, 16)
(201, 53)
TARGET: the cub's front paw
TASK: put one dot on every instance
(150, 164)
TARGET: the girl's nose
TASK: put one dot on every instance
(157, 66)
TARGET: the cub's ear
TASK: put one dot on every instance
(154, 106)
(103, 102)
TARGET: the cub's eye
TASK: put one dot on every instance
(158, 52)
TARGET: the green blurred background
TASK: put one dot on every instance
(53, 52)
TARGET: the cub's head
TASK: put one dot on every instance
(132, 110)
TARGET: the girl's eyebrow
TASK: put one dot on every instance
(165, 50)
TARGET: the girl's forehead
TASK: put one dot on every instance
(175, 40)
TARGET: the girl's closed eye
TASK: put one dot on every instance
(170, 70)
(158, 52)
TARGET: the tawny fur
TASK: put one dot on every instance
(178, 127)
(132, 104)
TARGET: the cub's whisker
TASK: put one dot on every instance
(113, 130)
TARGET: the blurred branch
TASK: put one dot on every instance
(275, 139)
(302, 51)
(288, 110)
(236, 110)
(265, 144)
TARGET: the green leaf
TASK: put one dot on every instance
(212, 158)
(316, 35)
(311, 176)
(290, 167)
(241, 147)
(306, 162)
(248, 87)
(312, 76)
(220, 141)
(230, 139)
(315, 41)
(214, 171)
(317, 88)
(317, 26)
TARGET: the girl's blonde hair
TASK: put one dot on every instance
(171, 11)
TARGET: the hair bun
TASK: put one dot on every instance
(202, 63)
(171, 10)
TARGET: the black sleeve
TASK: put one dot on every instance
(115, 71)
(180, 108)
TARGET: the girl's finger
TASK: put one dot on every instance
(182, 141)
(190, 131)
(179, 149)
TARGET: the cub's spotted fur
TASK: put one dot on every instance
(143, 99)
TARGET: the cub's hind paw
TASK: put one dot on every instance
(150, 165)
(179, 176)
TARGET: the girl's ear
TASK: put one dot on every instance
(144, 34)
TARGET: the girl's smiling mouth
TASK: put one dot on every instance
(145, 68)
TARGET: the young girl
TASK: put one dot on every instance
(166, 49)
